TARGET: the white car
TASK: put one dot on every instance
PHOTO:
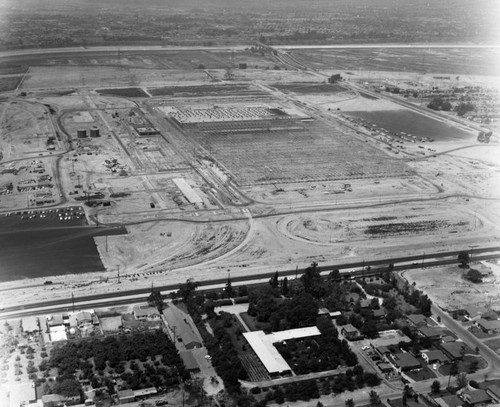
(208, 357)
(365, 347)
(435, 366)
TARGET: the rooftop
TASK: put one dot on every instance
(30, 324)
(449, 401)
(189, 360)
(183, 323)
(21, 392)
(436, 355)
(431, 332)
(454, 349)
(145, 310)
(417, 319)
(349, 328)
(475, 396)
(405, 360)
(489, 325)
(262, 345)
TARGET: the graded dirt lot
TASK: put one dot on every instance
(213, 168)
(448, 288)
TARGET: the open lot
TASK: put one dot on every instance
(447, 287)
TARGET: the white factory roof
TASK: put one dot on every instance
(30, 324)
(20, 393)
(188, 192)
(58, 333)
(262, 345)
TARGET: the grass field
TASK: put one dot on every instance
(203, 90)
(306, 88)
(9, 83)
(124, 92)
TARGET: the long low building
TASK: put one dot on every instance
(182, 327)
(263, 346)
(188, 191)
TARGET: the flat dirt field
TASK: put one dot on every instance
(447, 287)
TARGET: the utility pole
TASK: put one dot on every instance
(119, 274)
(73, 302)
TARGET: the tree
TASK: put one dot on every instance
(274, 280)
(374, 304)
(435, 104)
(279, 397)
(187, 290)
(374, 398)
(446, 106)
(156, 299)
(463, 108)
(463, 258)
(67, 387)
(461, 380)
(453, 371)
(43, 365)
(436, 387)
(311, 280)
(473, 366)
(474, 276)
(335, 275)
(284, 286)
(349, 403)
(228, 291)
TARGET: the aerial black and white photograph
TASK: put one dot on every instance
(230, 203)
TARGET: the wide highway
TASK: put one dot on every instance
(48, 52)
(348, 270)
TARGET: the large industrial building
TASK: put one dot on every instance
(263, 346)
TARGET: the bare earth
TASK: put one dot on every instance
(271, 201)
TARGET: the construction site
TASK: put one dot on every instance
(218, 168)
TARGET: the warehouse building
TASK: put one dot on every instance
(263, 346)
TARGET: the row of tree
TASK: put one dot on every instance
(95, 355)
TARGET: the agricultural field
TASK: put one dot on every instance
(206, 90)
(124, 92)
(306, 88)
(458, 61)
(9, 83)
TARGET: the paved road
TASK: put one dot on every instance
(390, 45)
(492, 357)
(124, 297)
(47, 52)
